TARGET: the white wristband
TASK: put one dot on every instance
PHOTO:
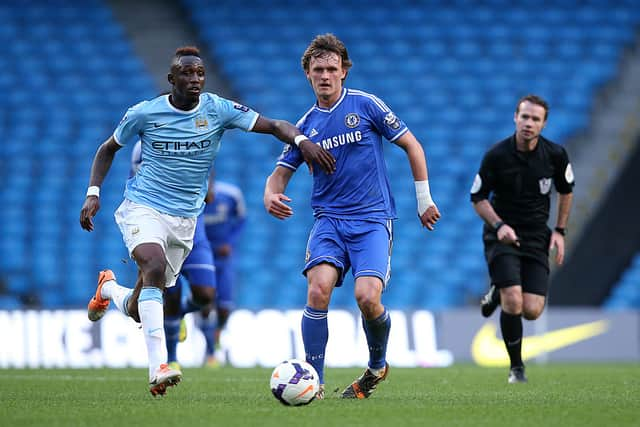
(94, 190)
(423, 195)
(298, 139)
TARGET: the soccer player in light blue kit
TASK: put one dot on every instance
(180, 135)
(353, 207)
(224, 219)
(198, 269)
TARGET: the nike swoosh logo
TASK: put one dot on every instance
(488, 350)
(159, 125)
(154, 330)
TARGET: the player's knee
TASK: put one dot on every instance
(203, 296)
(368, 302)
(532, 312)
(318, 296)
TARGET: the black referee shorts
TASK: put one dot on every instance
(510, 266)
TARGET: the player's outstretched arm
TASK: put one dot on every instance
(274, 197)
(286, 132)
(101, 165)
(427, 210)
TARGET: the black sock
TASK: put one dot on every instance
(511, 326)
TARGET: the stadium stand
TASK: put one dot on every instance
(68, 80)
(626, 293)
(451, 71)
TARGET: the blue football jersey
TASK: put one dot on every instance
(352, 130)
(225, 216)
(178, 149)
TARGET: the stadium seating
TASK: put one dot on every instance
(626, 293)
(451, 71)
(69, 74)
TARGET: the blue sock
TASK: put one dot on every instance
(208, 326)
(377, 332)
(172, 333)
(315, 334)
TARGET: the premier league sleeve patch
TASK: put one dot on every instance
(240, 107)
(392, 121)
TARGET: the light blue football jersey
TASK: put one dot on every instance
(352, 130)
(178, 149)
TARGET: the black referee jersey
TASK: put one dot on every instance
(519, 183)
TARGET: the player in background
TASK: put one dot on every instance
(199, 271)
(353, 208)
(224, 219)
(511, 193)
(180, 135)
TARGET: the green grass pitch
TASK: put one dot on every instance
(462, 395)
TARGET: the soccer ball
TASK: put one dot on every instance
(294, 382)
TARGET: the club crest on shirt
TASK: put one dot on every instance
(351, 120)
(240, 107)
(545, 185)
(392, 121)
(307, 256)
(201, 122)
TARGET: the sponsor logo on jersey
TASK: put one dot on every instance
(341, 139)
(545, 185)
(352, 120)
(392, 121)
(181, 148)
(241, 107)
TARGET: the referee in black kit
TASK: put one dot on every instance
(519, 172)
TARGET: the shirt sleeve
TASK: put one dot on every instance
(236, 115)
(563, 179)
(384, 120)
(131, 125)
(290, 158)
(483, 183)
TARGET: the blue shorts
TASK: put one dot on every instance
(364, 246)
(225, 282)
(199, 267)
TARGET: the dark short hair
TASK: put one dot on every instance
(322, 44)
(534, 99)
(187, 51)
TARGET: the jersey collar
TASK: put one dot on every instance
(329, 110)
(193, 110)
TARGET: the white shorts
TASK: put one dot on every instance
(142, 224)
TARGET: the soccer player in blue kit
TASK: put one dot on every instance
(180, 135)
(224, 219)
(353, 207)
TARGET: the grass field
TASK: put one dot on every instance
(557, 394)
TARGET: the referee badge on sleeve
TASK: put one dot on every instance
(477, 184)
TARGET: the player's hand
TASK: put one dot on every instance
(314, 153)
(508, 236)
(557, 242)
(274, 204)
(430, 217)
(89, 209)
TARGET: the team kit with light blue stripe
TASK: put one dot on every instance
(353, 207)
(178, 149)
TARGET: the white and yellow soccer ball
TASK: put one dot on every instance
(294, 382)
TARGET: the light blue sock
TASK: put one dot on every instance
(377, 332)
(315, 335)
